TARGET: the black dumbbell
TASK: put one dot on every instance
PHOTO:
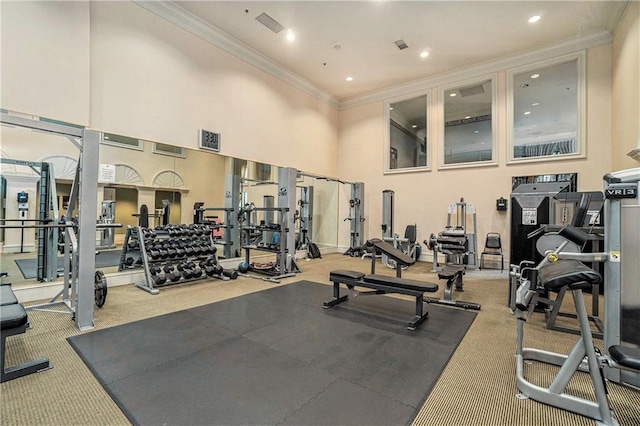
(197, 272)
(230, 273)
(159, 279)
(129, 261)
(154, 269)
(187, 273)
(167, 268)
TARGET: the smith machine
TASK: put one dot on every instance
(78, 294)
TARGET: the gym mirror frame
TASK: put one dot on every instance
(423, 123)
(514, 87)
(473, 115)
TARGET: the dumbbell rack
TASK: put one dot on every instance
(162, 236)
(280, 269)
(130, 248)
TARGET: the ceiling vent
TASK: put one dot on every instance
(471, 91)
(269, 22)
(401, 44)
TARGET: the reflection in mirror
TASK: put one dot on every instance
(468, 124)
(545, 110)
(153, 174)
(407, 133)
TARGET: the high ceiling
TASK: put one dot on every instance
(339, 39)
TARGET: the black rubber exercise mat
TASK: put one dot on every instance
(104, 259)
(276, 357)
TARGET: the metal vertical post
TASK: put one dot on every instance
(87, 214)
(287, 199)
(232, 201)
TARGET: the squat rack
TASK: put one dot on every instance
(88, 142)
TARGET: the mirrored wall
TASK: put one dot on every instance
(407, 134)
(166, 179)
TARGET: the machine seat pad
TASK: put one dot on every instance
(389, 250)
(12, 316)
(342, 274)
(626, 356)
(6, 295)
(403, 283)
(449, 272)
(572, 273)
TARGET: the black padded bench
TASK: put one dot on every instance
(14, 321)
(382, 284)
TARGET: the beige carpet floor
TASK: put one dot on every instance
(477, 387)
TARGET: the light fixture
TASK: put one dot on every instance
(414, 126)
(535, 104)
(527, 113)
(536, 75)
(390, 108)
(349, 78)
(424, 54)
(453, 95)
(467, 117)
(534, 19)
(290, 35)
(476, 131)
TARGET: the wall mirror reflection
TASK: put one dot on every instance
(546, 110)
(407, 133)
(170, 181)
(469, 121)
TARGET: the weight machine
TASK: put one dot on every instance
(457, 242)
(108, 216)
(224, 227)
(406, 244)
(563, 268)
(356, 219)
(306, 216)
(82, 298)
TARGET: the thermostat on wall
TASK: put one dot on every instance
(209, 140)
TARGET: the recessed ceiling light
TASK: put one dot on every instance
(534, 19)
(453, 95)
(349, 78)
(527, 112)
(415, 126)
(535, 75)
(535, 104)
(290, 35)
(336, 45)
(476, 131)
(390, 108)
(424, 54)
(467, 117)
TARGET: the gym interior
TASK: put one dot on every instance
(192, 222)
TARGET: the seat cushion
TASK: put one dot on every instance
(626, 356)
(6, 295)
(12, 316)
(401, 283)
(571, 273)
(342, 274)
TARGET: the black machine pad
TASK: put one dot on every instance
(6, 295)
(571, 273)
(389, 250)
(403, 283)
(13, 316)
(626, 356)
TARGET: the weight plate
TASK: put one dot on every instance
(100, 289)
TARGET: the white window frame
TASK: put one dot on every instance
(495, 120)
(581, 85)
(387, 138)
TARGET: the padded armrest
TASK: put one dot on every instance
(626, 356)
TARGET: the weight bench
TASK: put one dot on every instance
(14, 321)
(382, 284)
(453, 274)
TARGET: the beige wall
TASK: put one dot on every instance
(423, 197)
(626, 88)
(153, 80)
(45, 59)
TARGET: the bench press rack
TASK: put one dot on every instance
(382, 284)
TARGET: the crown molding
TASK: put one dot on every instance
(572, 45)
(186, 20)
